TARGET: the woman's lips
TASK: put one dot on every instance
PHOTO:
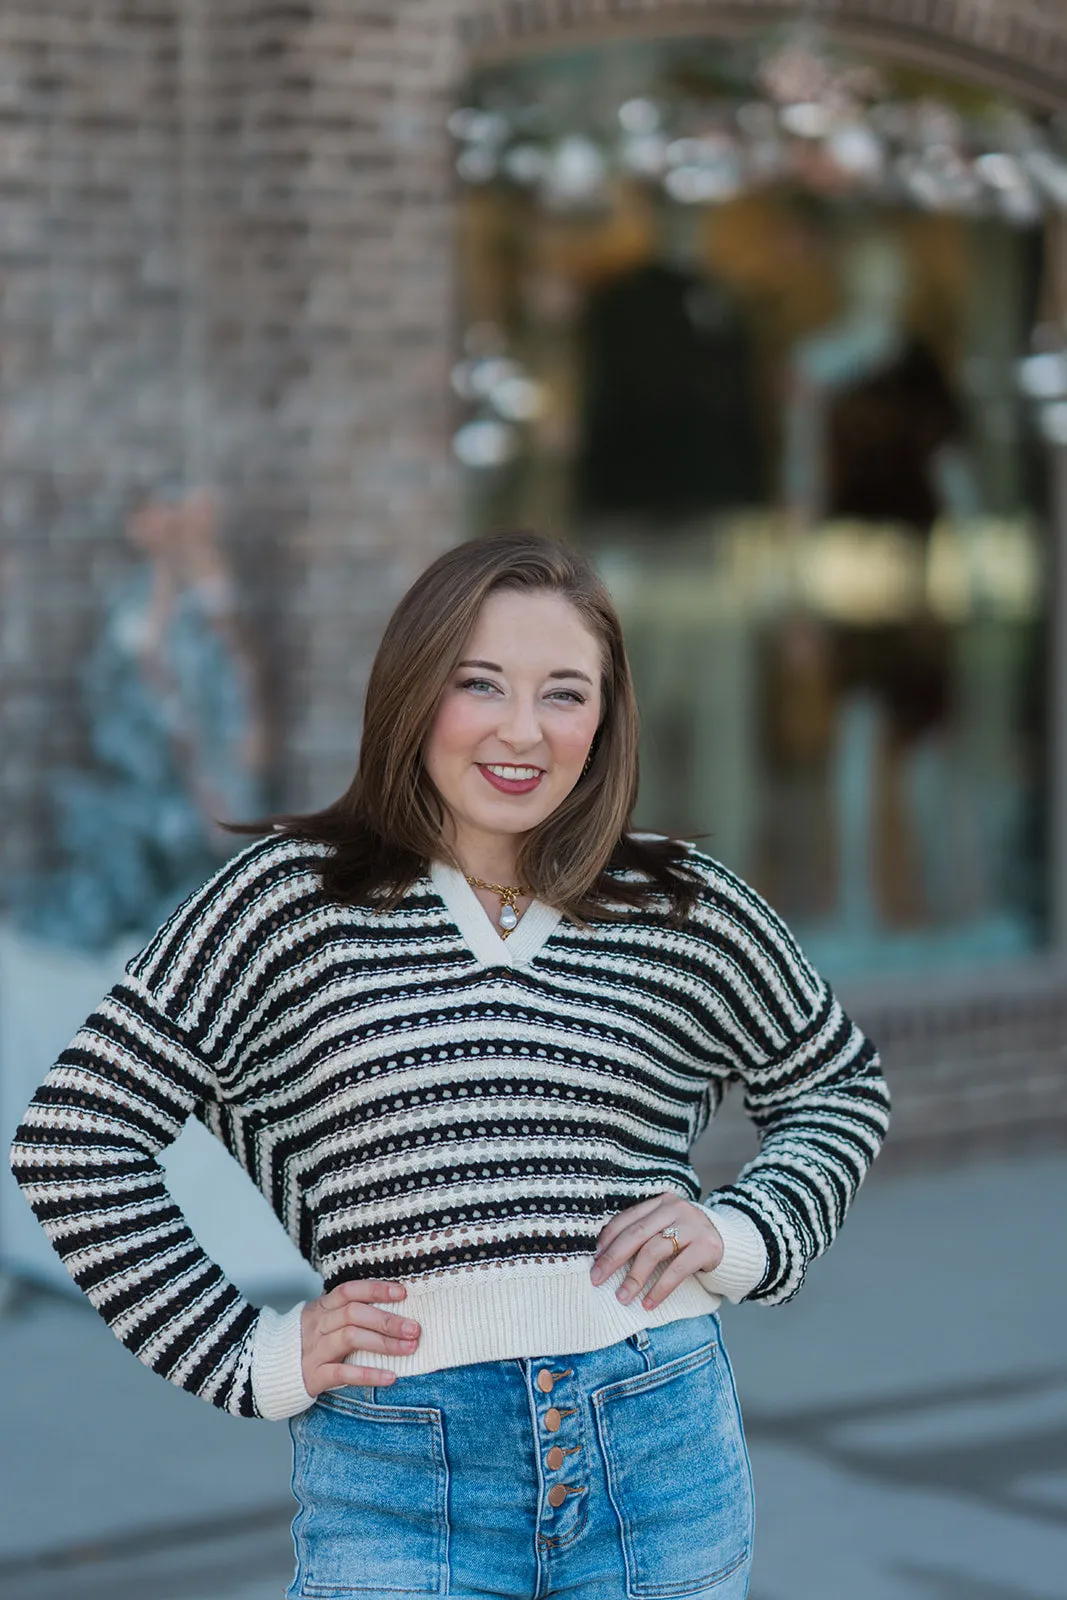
(509, 785)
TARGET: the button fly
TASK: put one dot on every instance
(563, 1504)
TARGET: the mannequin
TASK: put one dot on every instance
(669, 443)
(874, 434)
(668, 426)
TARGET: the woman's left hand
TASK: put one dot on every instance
(636, 1235)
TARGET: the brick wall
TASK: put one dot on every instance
(225, 240)
(90, 340)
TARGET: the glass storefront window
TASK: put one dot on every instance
(780, 407)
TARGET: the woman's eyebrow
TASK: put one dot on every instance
(565, 672)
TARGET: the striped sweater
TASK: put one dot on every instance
(420, 1100)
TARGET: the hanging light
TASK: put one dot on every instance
(477, 164)
(857, 150)
(484, 443)
(644, 154)
(488, 374)
(575, 172)
(518, 398)
(639, 117)
(703, 170)
(808, 119)
(1043, 376)
(1049, 174)
(939, 178)
(815, 115)
(478, 127)
(1052, 420)
(525, 163)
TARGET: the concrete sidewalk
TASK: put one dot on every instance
(907, 1416)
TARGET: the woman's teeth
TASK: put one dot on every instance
(515, 773)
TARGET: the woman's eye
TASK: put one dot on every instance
(572, 695)
(477, 683)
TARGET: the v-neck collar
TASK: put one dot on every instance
(537, 923)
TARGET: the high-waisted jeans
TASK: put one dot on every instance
(620, 1474)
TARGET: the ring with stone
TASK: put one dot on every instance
(672, 1235)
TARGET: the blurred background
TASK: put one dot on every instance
(765, 307)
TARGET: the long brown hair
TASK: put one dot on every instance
(387, 826)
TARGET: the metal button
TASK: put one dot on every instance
(555, 1458)
(552, 1420)
(545, 1381)
(557, 1494)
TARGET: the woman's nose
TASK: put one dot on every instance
(520, 723)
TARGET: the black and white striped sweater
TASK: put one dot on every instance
(421, 1100)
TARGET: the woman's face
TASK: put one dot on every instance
(516, 721)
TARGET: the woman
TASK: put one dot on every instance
(462, 1029)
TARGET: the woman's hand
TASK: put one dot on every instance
(636, 1235)
(346, 1319)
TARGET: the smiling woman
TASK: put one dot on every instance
(506, 654)
(476, 1127)
(507, 748)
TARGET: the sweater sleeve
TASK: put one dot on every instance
(86, 1158)
(813, 1088)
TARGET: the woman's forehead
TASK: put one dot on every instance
(531, 625)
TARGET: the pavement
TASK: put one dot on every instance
(907, 1417)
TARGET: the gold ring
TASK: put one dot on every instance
(672, 1235)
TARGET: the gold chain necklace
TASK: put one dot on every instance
(508, 893)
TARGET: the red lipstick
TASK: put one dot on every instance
(509, 785)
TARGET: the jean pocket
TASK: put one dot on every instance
(372, 1485)
(678, 1474)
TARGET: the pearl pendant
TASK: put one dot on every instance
(508, 917)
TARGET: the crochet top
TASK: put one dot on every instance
(421, 1100)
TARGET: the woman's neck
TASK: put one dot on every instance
(491, 860)
(489, 870)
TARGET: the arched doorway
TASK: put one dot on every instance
(1018, 47)
(751, 315)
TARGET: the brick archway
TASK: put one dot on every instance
(1016, 46)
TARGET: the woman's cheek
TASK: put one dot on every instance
(459, 722)
(572, 746)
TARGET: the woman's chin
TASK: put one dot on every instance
(508, 815)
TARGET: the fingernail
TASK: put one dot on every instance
(623, 1295)
(596, 1275)
(397, 1292)
(410, 1328)
(647, 1305)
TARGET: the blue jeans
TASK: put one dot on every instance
(620, 1474)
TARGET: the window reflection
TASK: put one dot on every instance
(789, 427)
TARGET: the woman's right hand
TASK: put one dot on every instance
(348, 1319)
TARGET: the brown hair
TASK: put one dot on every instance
(387, 826)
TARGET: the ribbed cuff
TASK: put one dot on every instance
(744, 1254)
(277, 1370)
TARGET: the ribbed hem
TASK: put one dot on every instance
(277, 1365)
(501, 1313)
(744, 1254)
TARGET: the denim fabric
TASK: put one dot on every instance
(440, 1484)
